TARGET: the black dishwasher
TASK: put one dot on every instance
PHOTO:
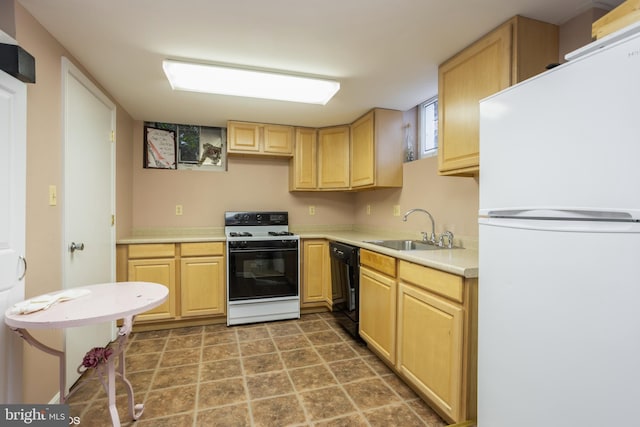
(345, 284)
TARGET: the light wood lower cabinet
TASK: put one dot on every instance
(193, 272)
(163, 271)
(202, 286)
(378, 304)
(316, 274)
(430, 346)
(423, 323)
(437, 338)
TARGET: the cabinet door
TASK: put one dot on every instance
(315, 286)
(304, 164)
(363, 151)
(482, 69)
(333, 157)
(202, 286)
(430, 346)
(278, 140)
(161, 271)
(243, 137)
(378, 312)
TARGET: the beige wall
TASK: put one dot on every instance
(262, 184)
(44, 168)
(576, 32)
(249, 184)
(452, 201)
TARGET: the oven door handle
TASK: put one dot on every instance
(249, 250)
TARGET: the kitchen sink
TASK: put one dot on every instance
(408, 245)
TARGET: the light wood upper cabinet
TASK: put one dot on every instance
(259, 139)
(333, 158)
(376, 150)
(243, 137)
(316, 276)
(303, 166)
(278, 140)
(518, 49)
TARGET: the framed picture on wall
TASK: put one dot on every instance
(160, 150)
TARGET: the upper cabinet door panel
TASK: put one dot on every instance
(479, 71)
(278, 139)
(518, 49)
(363, 151)
(243, 137)
(333, 157)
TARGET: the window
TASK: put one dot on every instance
(199, 147)
(428, 128)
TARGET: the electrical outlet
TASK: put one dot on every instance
(178, 209)
(53, 195)
(368, 209)
(396, 210)
(312, 210)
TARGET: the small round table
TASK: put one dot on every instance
(104, 303)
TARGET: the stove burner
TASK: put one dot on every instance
(240, 234)
(280, 233)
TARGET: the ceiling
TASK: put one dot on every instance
(385, 53)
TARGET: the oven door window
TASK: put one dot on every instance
(263, 273)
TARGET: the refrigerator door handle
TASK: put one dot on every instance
(568, 226)
(579, 214)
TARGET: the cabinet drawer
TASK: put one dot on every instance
(382, 263)
(202, 249)
(152, 250)
(445, 284)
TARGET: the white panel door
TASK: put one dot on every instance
(89, 203)
(13, 141)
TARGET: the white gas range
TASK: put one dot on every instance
(263, 267)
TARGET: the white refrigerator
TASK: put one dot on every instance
(559, 244)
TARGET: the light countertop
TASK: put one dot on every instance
(462, 262)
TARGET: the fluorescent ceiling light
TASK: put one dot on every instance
(248, 83)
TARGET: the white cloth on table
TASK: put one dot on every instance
(43, 302)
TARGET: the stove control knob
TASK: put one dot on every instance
(259, 217)
(238, 244)
(289, 243)
(245, 217)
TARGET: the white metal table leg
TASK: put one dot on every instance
(62, 360)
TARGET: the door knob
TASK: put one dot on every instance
(76, 247)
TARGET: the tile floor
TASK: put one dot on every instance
(306, 372)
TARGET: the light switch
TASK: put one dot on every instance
(53, 195)
(312, 210)
(396, 210)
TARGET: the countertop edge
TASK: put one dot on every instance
(461, 262)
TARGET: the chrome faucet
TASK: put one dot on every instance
(432, 238)
(446, 235)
